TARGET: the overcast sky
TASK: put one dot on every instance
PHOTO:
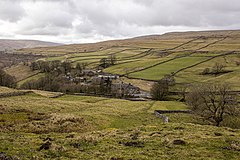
(80, 21)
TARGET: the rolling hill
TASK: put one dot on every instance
(8, 44)
(36, 124)
(149, 58)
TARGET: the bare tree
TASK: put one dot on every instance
(218, 68)
(159, 90)
(104, 63)
(213, 102)
(112, 59)
(6, 79)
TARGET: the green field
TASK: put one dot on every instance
(157, 72)
(20, 72)
(195, 72)
(102, 128)
(31, 78)
(132, 66)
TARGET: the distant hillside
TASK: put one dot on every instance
(149, 58)
(7, 44)
(139, 42)
(189, 34)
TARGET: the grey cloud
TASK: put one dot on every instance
(93, 19)
(109, 14)
(46, 17)
(11, 11)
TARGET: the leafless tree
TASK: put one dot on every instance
(159, 90)
(213, 102)
(218, 68)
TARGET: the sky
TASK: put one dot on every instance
(84, 21)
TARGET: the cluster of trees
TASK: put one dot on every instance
(109, 61)
(79, 69)
(218, 68)
(62, 77)
(58, 67)
(51, 82)
(50, 66)
(7, 80)
(59, 83)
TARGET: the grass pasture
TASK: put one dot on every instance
(6, 90)
(228, 61)
(31, 78)
(131, 66)
(20, 72)
(85, 127)
(157, 72)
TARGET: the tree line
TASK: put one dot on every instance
(7, 80)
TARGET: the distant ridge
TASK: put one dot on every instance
(92, 47)
(9, 44)
(186, 34)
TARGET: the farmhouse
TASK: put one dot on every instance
(89, 73)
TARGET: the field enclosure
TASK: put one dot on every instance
(185, 55)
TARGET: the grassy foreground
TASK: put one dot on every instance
(34, 126)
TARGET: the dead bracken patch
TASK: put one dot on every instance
(115, 158)
(234, 146)
(134, 144)
(4, 156)
(179, 128)
(154, 133)
(179, 142)
(38, 117)
(218, 134)
(45, 146)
